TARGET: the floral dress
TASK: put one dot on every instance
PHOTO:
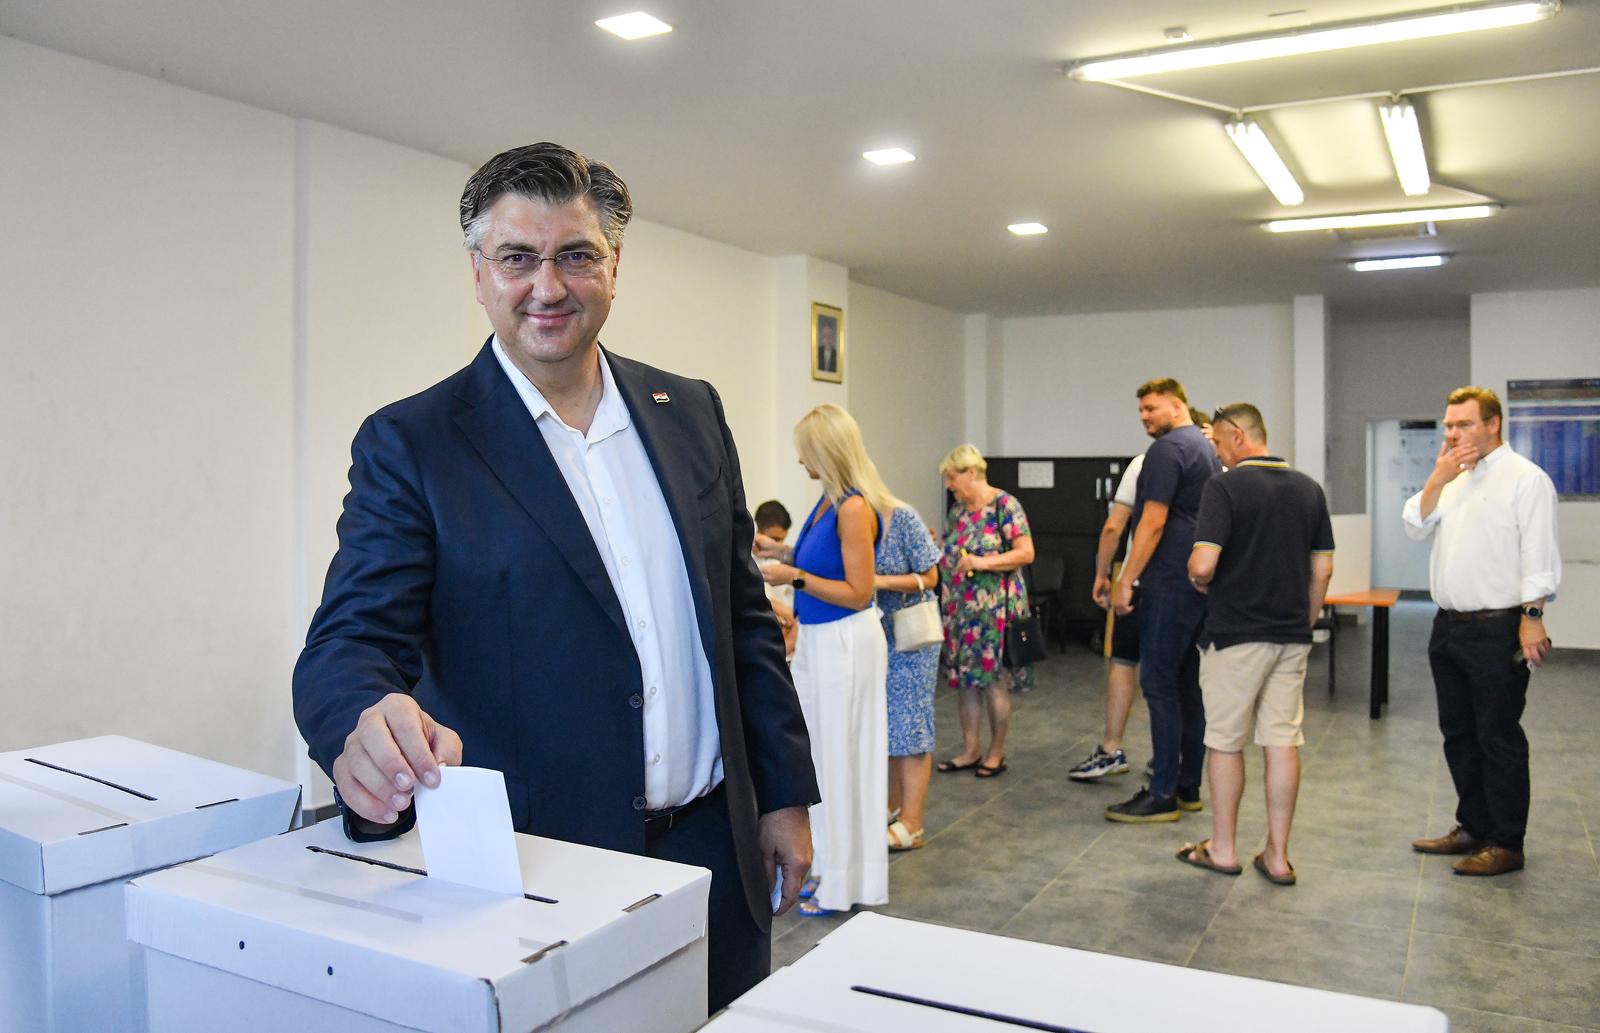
(976, 606)
(907, 548)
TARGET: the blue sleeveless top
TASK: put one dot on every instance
(818, 553)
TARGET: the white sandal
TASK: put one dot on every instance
(902, 838)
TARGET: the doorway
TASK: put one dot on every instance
(1400, 455)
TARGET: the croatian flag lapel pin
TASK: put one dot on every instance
(661, 397)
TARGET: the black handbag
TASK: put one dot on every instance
(1024, 640)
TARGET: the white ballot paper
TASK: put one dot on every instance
(466, 830)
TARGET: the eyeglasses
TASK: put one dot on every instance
(1222, 416)
(522, 265)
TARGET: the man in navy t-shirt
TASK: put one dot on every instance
(1171, 613)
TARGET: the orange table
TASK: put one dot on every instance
(1381, 600)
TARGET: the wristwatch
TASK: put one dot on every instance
(799, 580)
(1533, 613)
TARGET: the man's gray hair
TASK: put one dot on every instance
(550, 173)
(1244, 416)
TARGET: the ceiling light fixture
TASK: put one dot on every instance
(637, 25)
(1363, 220)
(1313, 39)
(1405, 146)
(1264, 158)
(1372, 265)
(889, 156)
(1028, 229)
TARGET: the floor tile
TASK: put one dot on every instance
(1154, 927)
(1497, 977)
(1305, 951)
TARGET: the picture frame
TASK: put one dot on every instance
(827, 343)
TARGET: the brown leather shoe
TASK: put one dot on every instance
(1456, 841)
(1491, 860)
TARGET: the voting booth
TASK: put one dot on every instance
(77, 819)
(309, 931)
(878, 973)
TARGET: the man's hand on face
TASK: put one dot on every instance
(394, 747)
(1453, 462)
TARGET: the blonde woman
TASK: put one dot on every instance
(841, 659)
(987, 546)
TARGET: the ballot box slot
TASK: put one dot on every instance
(636, 905)
(104, 828)
(539, 954)
(960, 1009)
(375, 862)
(302, 891)
(216, 803)
(92, 778)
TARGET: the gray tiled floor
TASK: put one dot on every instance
(1029, 854)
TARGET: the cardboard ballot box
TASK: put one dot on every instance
(309, 931)
(78, 818)
(879, 973)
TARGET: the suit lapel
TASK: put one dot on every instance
(665, 434)
(497, 424)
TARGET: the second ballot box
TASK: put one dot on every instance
(309, 931)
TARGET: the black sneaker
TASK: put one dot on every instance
(1144, 808)
(1099, 765)
(1189, 798)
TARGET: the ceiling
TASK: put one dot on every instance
(747, 123)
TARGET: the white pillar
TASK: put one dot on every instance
(1311, 367)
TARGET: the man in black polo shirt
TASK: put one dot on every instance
(1263, 552)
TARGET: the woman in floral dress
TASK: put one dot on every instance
(985, 550)
(907, 572)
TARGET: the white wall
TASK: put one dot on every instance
(1521, 335)
(906, 391)
(1069, 381)
(145, 379)
(1386, 368)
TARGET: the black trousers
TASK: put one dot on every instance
(1482, 687)
(739, 951)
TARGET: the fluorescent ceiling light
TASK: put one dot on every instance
(1372, 265)
(1263, 157)
(1365, 220)
(1028, 229)
(637, 25)
(1333, 36)
(1405, 146)
(889, 156)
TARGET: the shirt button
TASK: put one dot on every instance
(636, 701)
(643, 624)
(656, 759)
(624, 561)
(606, 500)
(652, 690)
(638, 803)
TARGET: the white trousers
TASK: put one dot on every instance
(840, 672)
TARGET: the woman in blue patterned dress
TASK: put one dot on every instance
(907, 571)
(985, 550)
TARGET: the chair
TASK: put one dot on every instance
(1045, 577)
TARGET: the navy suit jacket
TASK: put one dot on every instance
(467, 577)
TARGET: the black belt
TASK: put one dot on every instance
(659, 823)
(1480, 615)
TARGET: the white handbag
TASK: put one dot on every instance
(917, 626)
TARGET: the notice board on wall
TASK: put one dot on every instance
(1556, 423)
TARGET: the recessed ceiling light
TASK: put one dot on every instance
(889, 156)
(1314, 38)
(1028, 229)
(1372, 265)
(637, 25)
(1363, 220)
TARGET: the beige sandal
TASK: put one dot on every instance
(902, 838)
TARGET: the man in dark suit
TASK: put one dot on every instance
(544, 568)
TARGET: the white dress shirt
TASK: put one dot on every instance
(615, 487)
(1494, 535)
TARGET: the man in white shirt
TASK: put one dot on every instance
(1495, 563)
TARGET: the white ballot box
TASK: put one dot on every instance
(78, 818)
(879, 973)
(310, 932)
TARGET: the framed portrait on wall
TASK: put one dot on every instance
(827, 343)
